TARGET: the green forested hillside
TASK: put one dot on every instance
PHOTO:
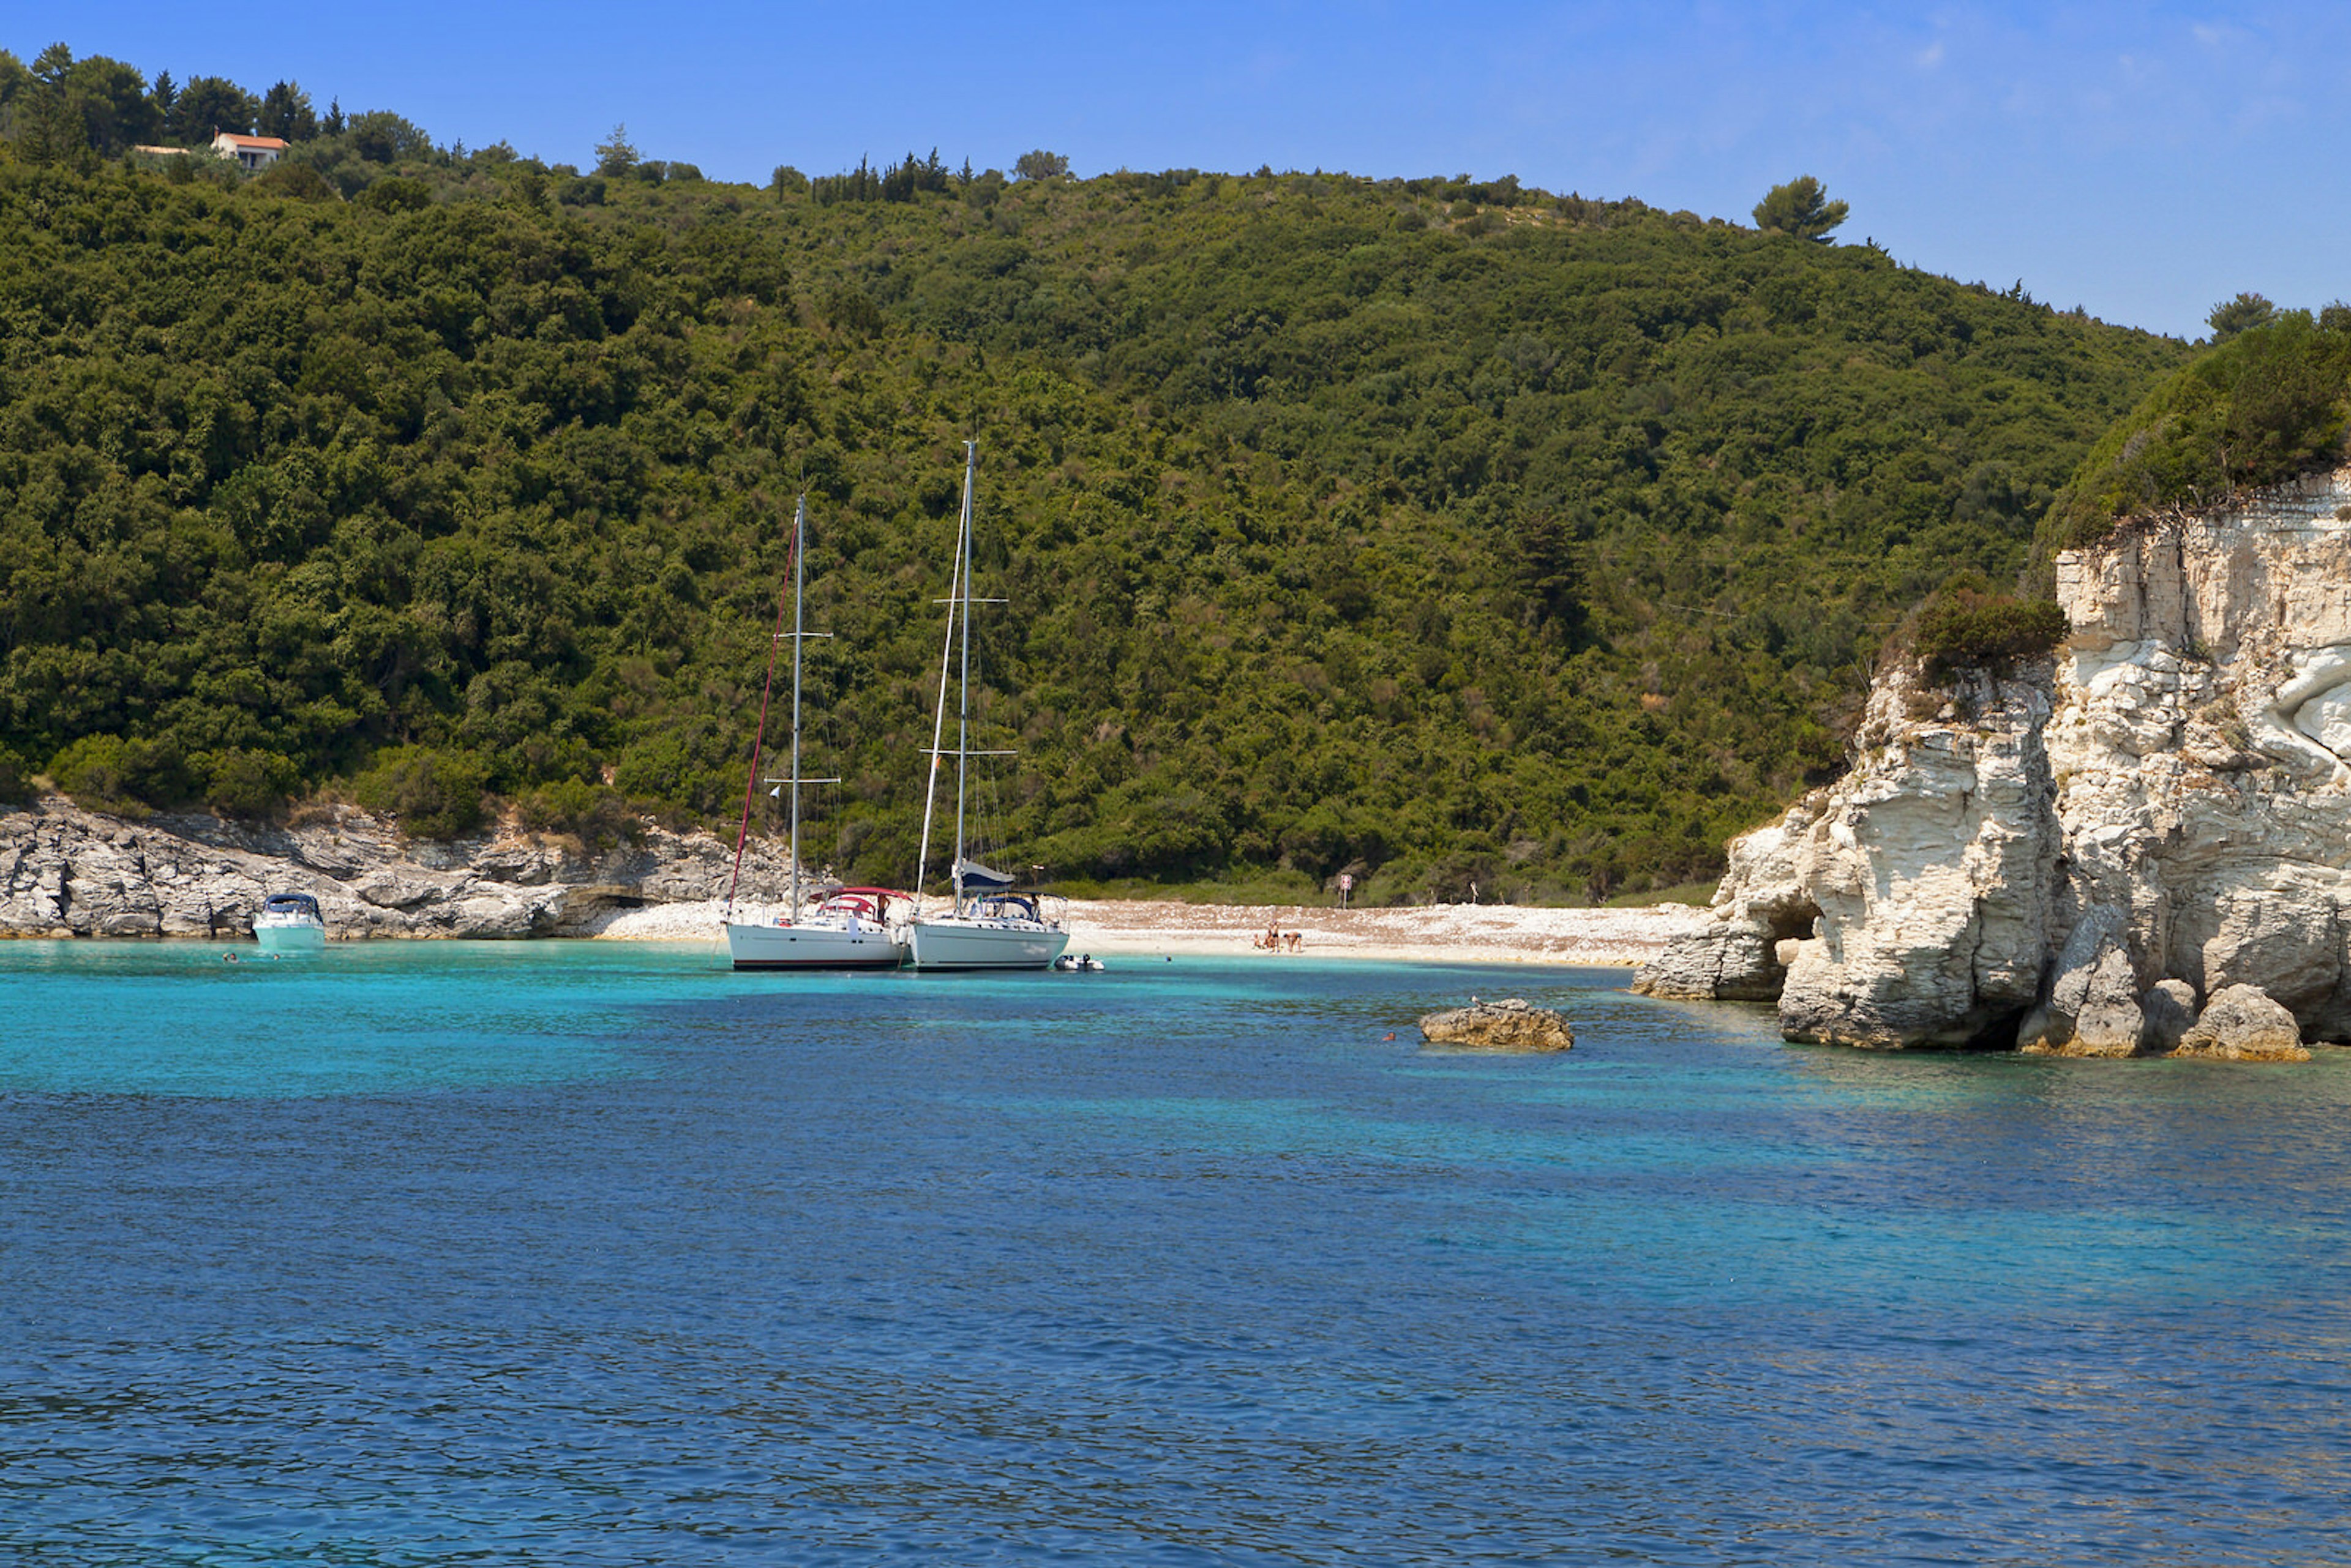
(1442, 531)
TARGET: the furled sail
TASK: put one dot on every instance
(972, 876)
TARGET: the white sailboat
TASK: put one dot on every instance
(990, 926)
(850, 927)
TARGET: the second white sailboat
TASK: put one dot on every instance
(990, 926)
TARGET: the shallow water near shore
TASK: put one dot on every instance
(410, 1253)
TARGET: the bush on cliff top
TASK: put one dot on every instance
(2268, 404)
(1966, 627)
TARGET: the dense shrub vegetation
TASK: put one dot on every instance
(1967, 625)
(1439, 529)
(2269, 403)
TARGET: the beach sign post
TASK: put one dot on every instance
(1346, 886)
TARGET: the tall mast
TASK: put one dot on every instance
(962, 704)
(799, 575)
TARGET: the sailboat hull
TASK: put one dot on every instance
(813, 947)
(984, 945)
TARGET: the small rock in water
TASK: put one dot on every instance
(1510, 1024)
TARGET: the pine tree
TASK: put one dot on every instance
(1800, 208)
(616, 155)
(285, 112)
(50, 66)
(2232, 316)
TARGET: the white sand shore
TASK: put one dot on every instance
(1452, 933)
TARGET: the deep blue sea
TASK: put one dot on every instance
(598, 1253)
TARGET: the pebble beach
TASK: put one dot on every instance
(1448, 933)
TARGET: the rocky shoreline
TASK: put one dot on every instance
(65, 872)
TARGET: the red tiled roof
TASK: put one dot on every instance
(254, 141)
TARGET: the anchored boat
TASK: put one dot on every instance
(850, 928)
(290, 922)
(989, 926)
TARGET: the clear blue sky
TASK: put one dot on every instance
(2144, 161)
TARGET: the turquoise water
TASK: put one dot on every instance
(595, 1253)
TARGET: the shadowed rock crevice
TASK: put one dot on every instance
(1999, 1033)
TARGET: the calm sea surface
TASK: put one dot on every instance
(593, 1253)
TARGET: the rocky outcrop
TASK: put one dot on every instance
(2241, 1024)
(1910, 905)
(2066, 860)
(2169, 1010)
(68, 873)
(2092, 1007)
(1510, 1024)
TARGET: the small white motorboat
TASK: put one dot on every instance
(1077, 963)
(290, 922)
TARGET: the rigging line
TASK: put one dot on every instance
(987, 815)
(760, 737)
(939, 720)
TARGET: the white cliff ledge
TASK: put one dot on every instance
(2073, 860)
(68, 873)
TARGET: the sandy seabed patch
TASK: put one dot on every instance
(1451, 933)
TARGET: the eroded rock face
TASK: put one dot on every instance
(68, 873)
(1510, 1024)
(1913, 899)
(2092, 1007)
(2073, 857)
(1760, 912)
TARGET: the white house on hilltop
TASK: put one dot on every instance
(252, 153)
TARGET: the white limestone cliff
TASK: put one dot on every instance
(2070, 860)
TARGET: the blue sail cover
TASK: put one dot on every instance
(975, 877)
